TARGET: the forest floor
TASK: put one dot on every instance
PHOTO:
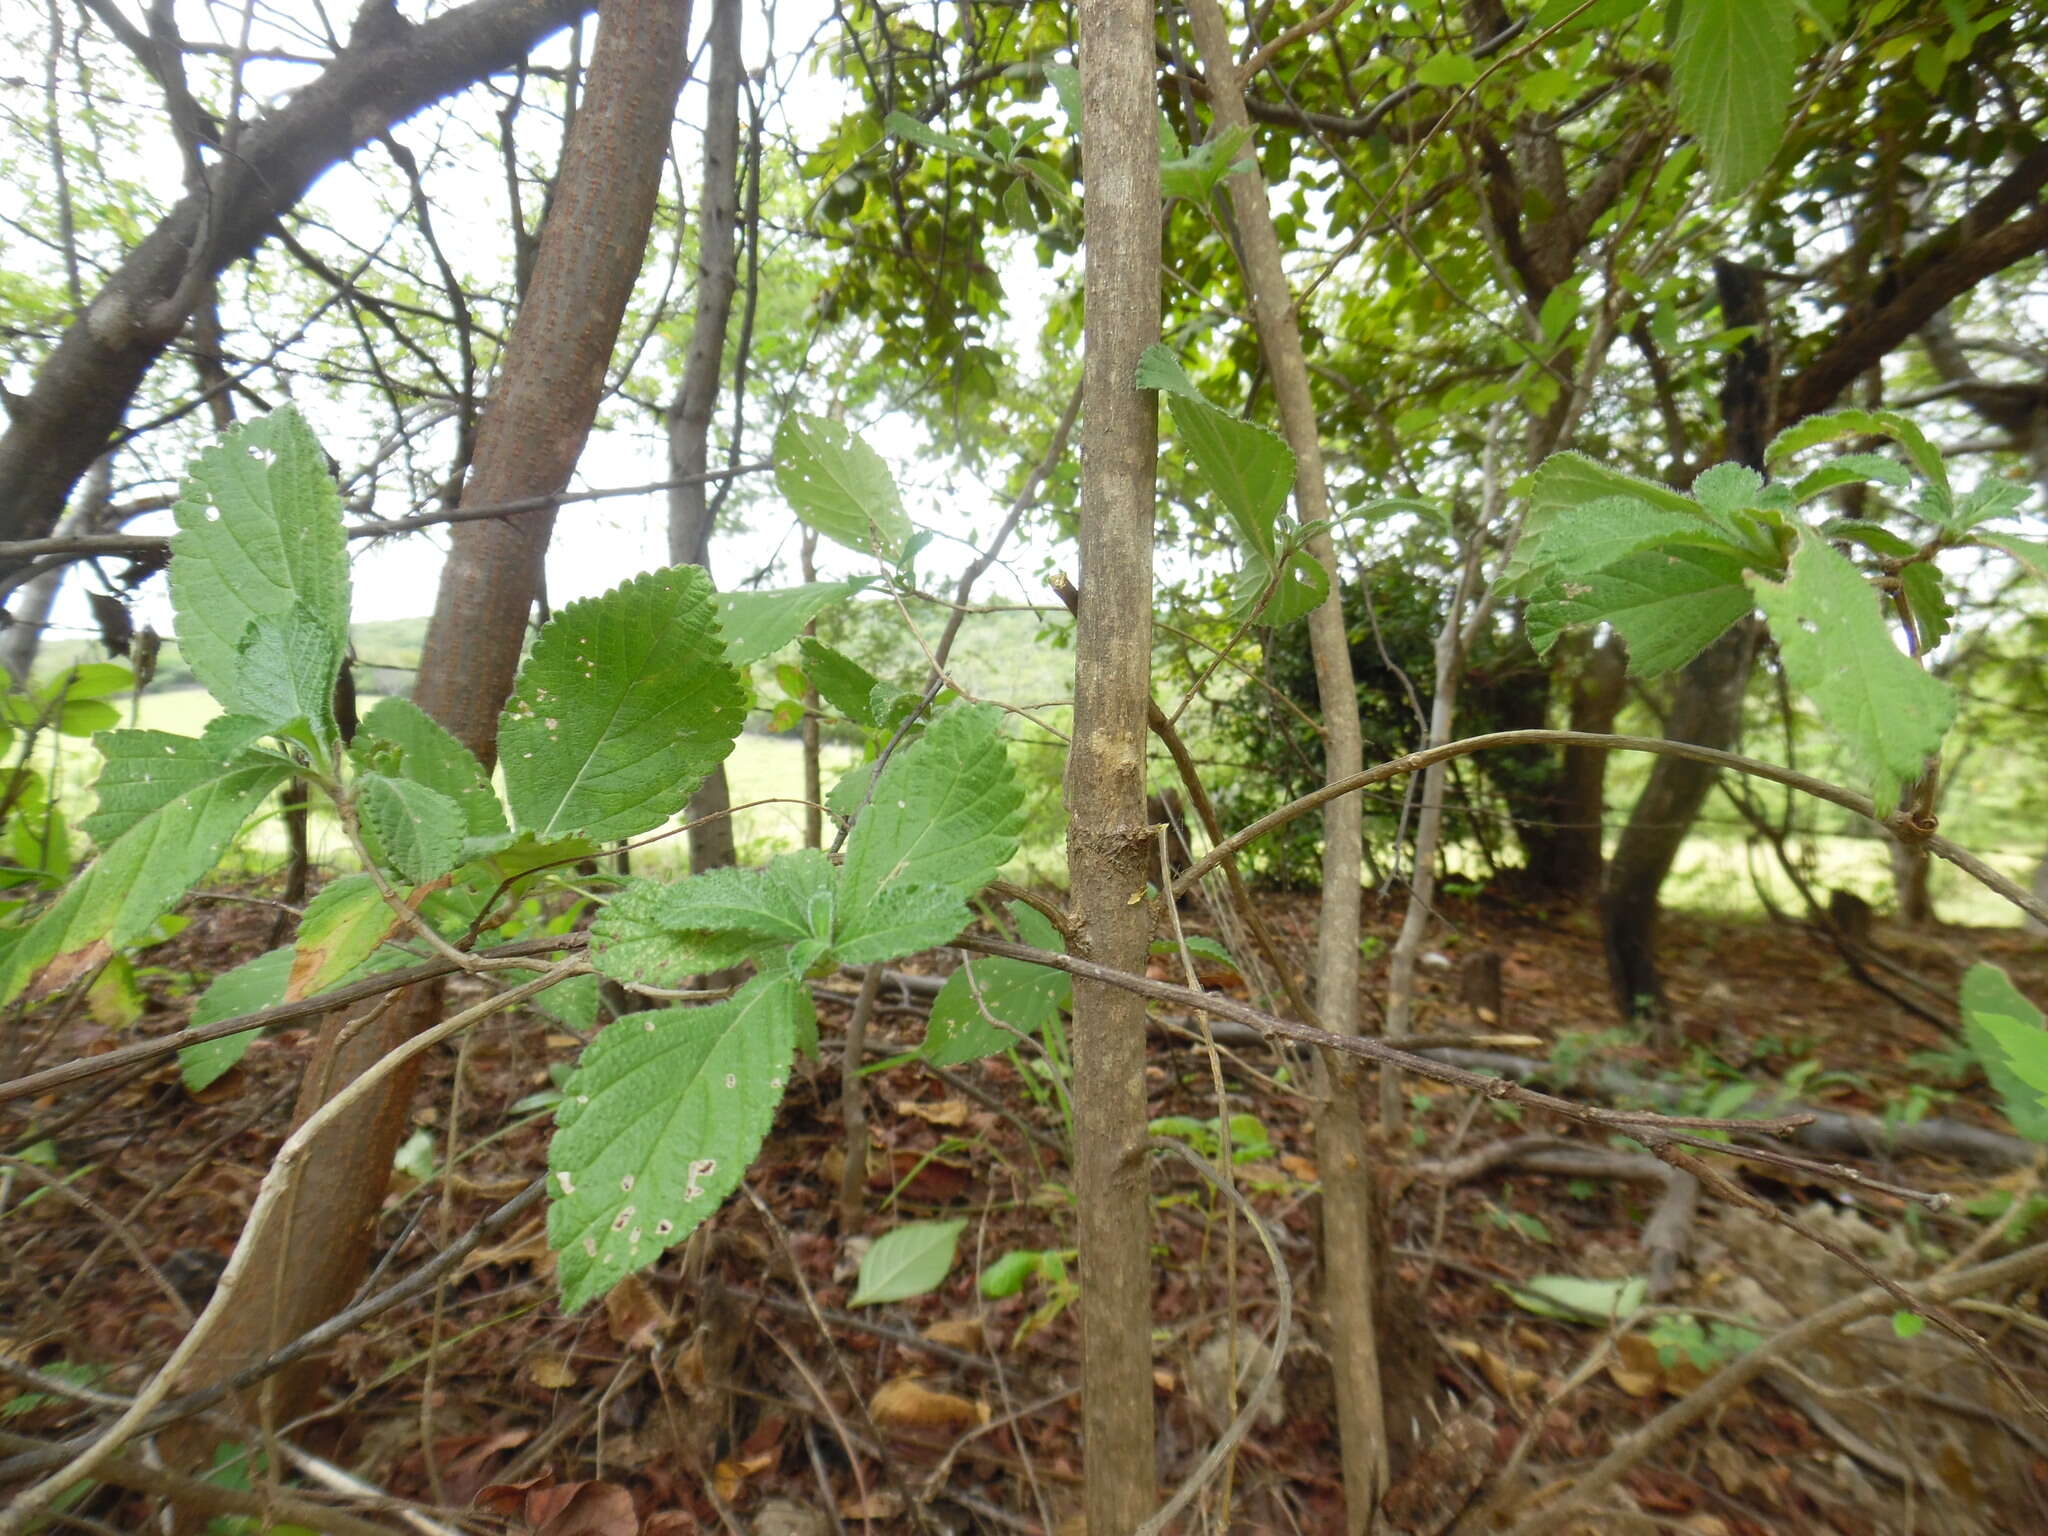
(732, 1387)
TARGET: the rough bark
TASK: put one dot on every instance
(1342, 1152)
(689, 422)
(1105, 782)
(389, 70)
(532, 431)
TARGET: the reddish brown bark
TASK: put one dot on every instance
(532, 432)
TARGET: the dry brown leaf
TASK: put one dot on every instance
(907, 1403)
(1164, 1379)
(1638, 1362)
(880, 1504)
(1506, 1379)
(948, 1112)
(528, 1246)
(730, 1477)
(551, 1372)
(1298, 1167)
(584, 1509)
(634, 1314)
(963, 1333)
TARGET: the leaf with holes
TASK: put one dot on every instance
(838, 485)
(657, 933)
(657, 1124)
(1889, 715)
(259, 535)
(626, 703)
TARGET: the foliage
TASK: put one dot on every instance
(623, 706)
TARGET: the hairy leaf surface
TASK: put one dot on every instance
(626, 703)
(259, 534)
(1888, 714)
(659, 1122)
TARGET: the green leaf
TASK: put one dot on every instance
(342, 927)
(1448, 70)
(1199, 172)
(2032, 553)
(657, 1126)
(1591, 536)
(88, 680)
(1831, 426)
(758, 624)
(418, 830)
(1875, 537)
(286, 669)
(1927, 603)
(946, 813)
(626, 703)
(259, 535)
(1567, 480)
(838, 485)
(254, 984)
(907, 1262)
(1013, 992)
(841, 681)
(2005, 1031)
(1304, 584)
(1731, 72)
(1669, 604)
(1248, 469)
(1066, 83)
(905, 126)
(168, 807)
(1573, 1300)
(1852, 469)
(1011, 1273)
(657, 933)
(427, 754)
(1983, 501)
(899, 920)
(1888, 714)
(1907, 1325)
(1200, 946)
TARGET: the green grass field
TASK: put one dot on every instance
(761, 768)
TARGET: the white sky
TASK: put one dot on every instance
(598, 544)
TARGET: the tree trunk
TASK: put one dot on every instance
(1350, 1261)
(689, 422)
(1707, 710)
(1105, 783)
(390, 70)
(532, 432)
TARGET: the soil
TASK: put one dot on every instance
(733, 1386)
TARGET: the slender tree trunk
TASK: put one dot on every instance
(814, 762)
(531, 435)
(689, 422)
(1105, 785)
(1350, 1250)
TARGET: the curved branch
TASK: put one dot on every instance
(1819, 789)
